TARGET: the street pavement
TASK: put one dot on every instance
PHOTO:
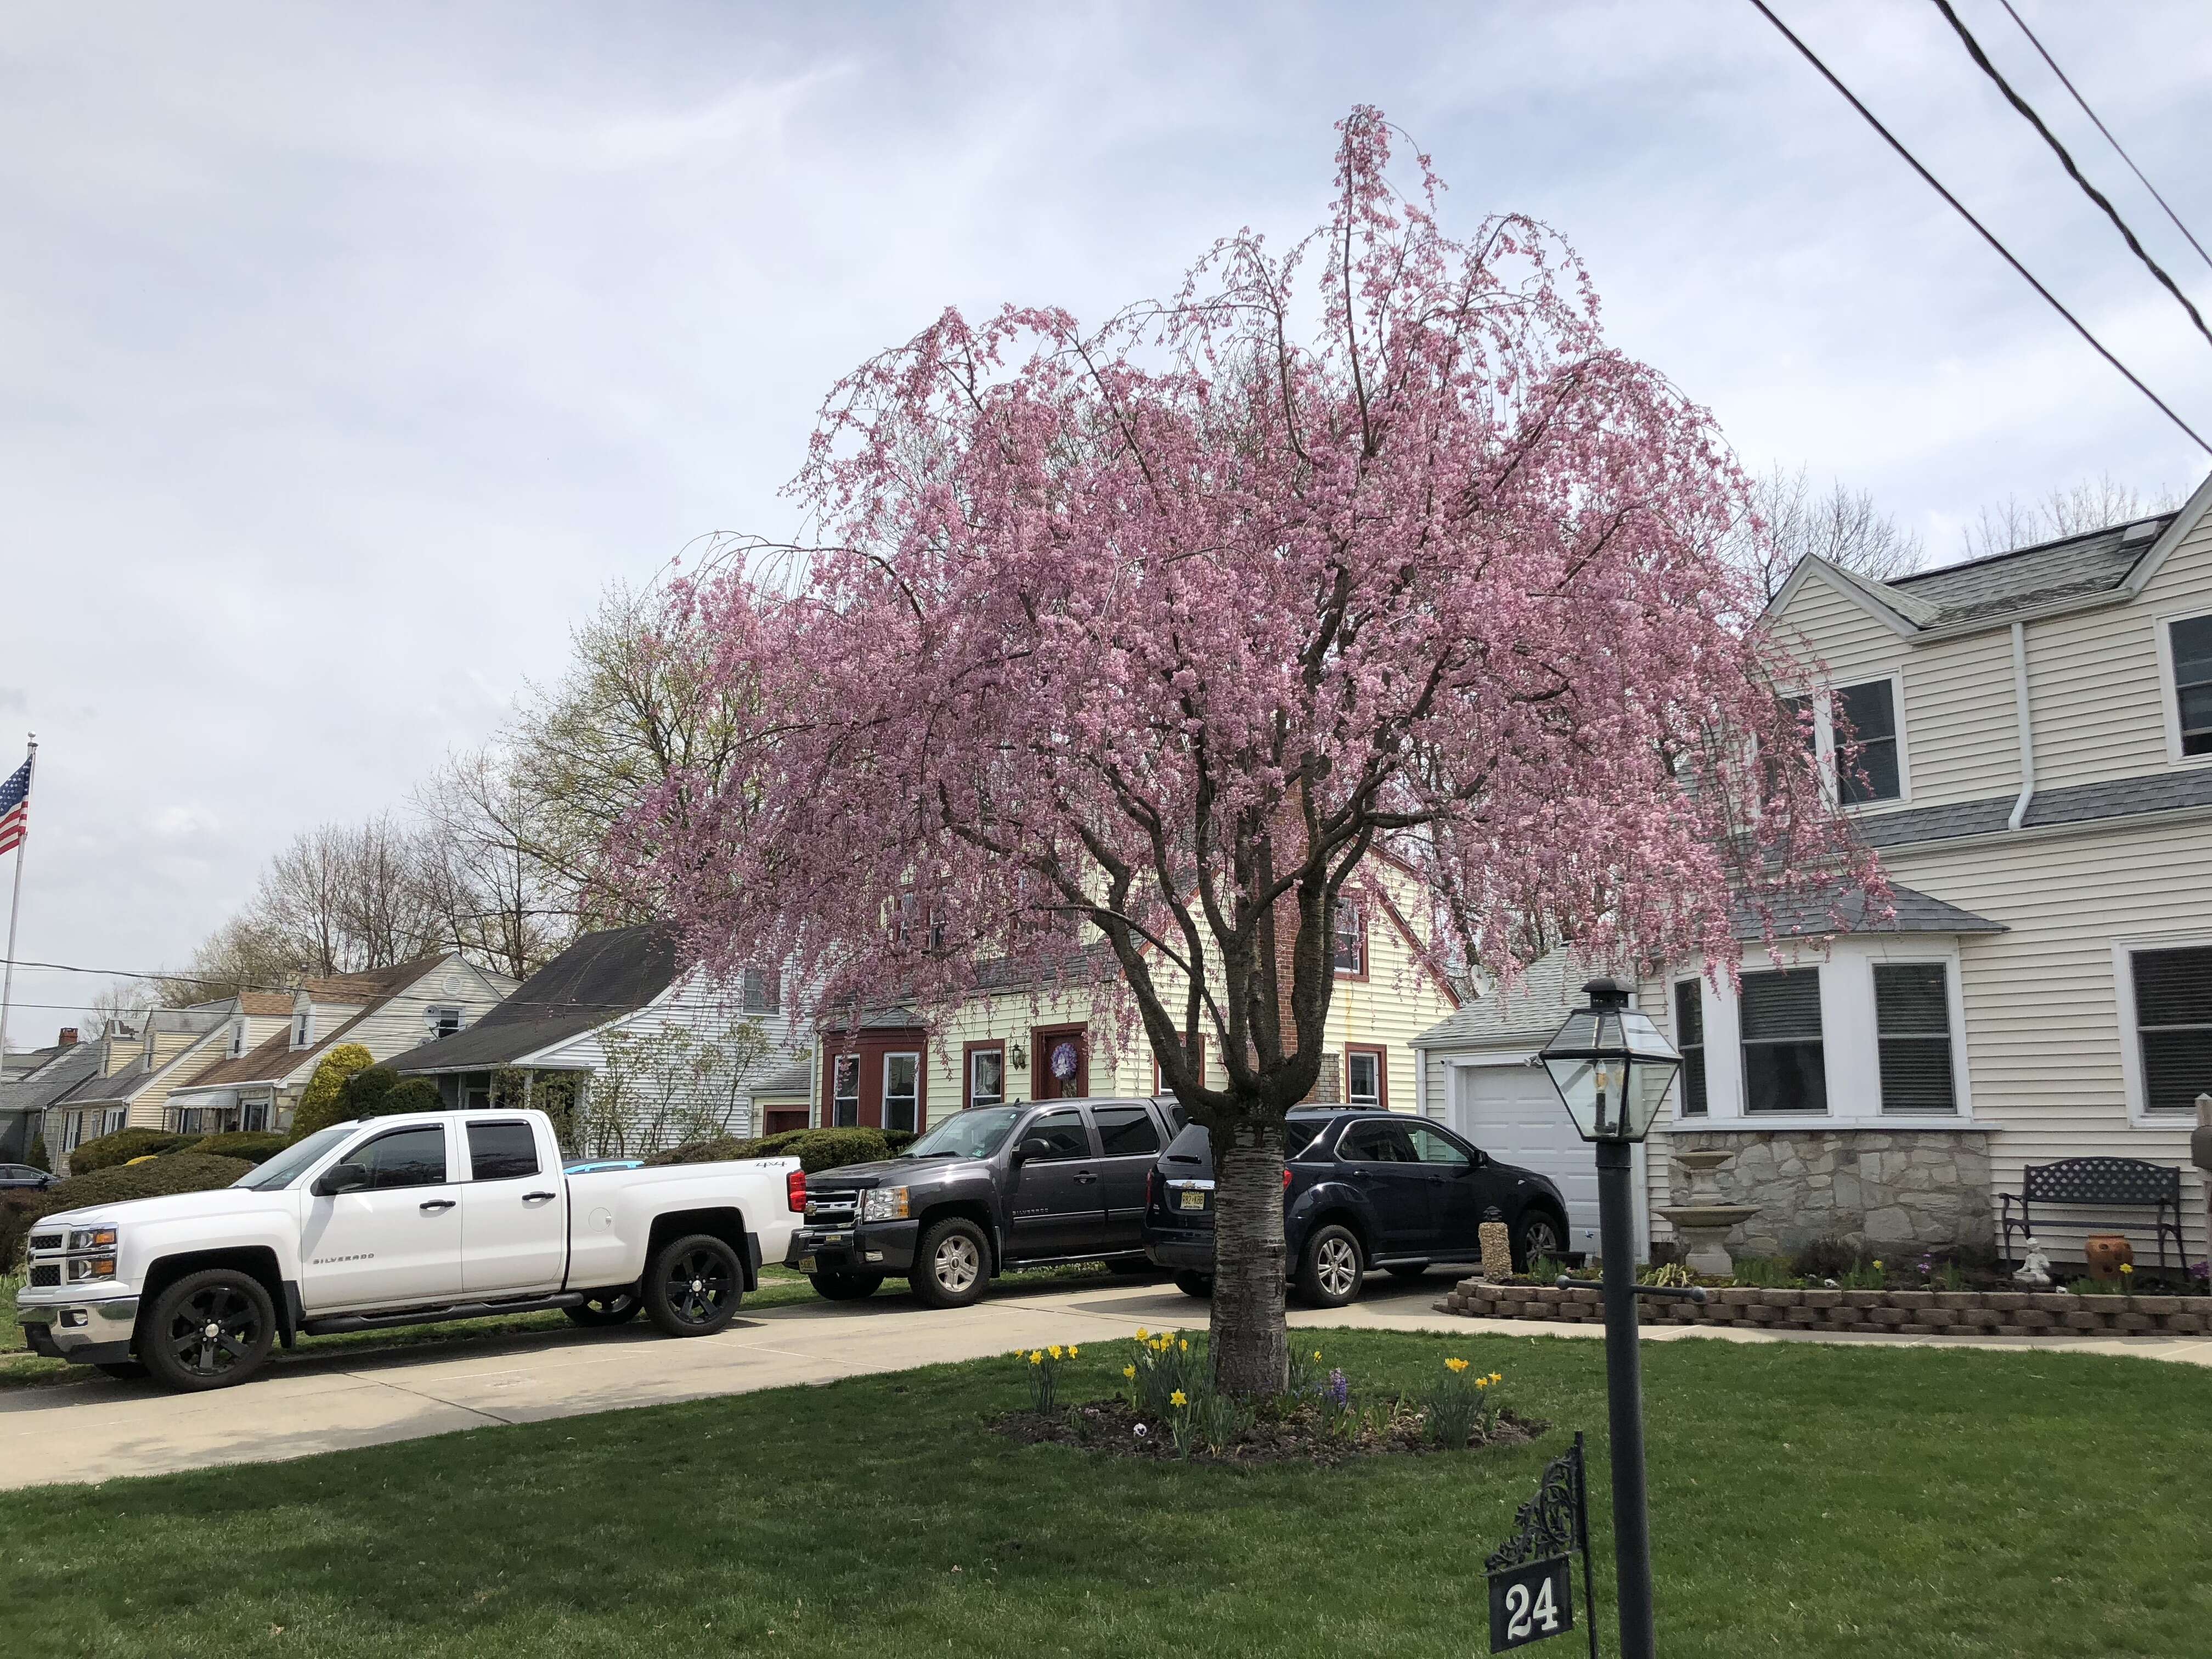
(328, 1400)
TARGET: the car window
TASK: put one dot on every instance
(1433, 1148)
(1299, 1133)
(1125, 1130)
(1376, 1143)
(501, 1152)
(407, 1158)
(1062, 1131)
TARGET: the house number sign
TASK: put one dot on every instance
(1532, 1580)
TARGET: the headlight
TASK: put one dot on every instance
(92, 1239)
(84, 1269)
(883, 1203)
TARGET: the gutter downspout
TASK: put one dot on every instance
(2027, 727)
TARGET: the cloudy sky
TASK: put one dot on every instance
(349, 351)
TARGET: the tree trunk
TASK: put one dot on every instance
(1251, 1353)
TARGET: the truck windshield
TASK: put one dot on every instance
(279, 1170)
(976, 1132)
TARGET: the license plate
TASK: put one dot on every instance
(806, 1264)
(1193, 1199)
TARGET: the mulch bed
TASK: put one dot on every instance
(1301, 1435)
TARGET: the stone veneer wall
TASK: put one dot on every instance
(1896, 1190)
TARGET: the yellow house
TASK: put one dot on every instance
(1033, 1041)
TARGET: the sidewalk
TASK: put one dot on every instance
(327, 1402)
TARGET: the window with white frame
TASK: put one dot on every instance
(1349, 946)
(1866, 715)
(1785, 1062)
(443, 1020)
(903, 1092)
(303, 1025)
(987, 1076)
(845, 1091)
(237, 1038)
(254, 1117)
(1912, 1028)
(1690, 1038)
(114, 1119)
(1363, 1079)
(2173, 1025)
(2190, 640)
(758, 991)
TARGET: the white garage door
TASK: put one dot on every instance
(1513, 1113)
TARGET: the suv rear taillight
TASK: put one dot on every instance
(794, 1191)
(1287, 1178)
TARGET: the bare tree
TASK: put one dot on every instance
(1789, 521)
(121, 1005)
(2072, 510)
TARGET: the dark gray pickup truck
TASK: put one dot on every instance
(989, 1189)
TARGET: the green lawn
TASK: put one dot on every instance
(1807, 1500)
(779, 1286)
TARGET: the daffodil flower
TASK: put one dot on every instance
(1178, 1398)
(1455, 1366)
(1128, 1370)
(1072, 1350)
(1053, 1351)
(1143, 1334)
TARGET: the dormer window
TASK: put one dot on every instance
(237, 1038)
(303, 1025)
(442, 1021)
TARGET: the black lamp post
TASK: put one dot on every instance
(1612, 1068)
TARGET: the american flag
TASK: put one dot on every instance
(14, 808)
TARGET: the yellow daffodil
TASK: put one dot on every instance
(1316, 1354)
(1178, 1398)
(1455, 1366)
(1495, 1378)
(1143, 1334)
(1037, 1359)
(2127, 1267)
(1128, 1370)
(1072, 1350)
(1877, 1266)
(1185, 1346)
(1481, 1382)
(1053, 1351)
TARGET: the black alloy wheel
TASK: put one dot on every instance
(209, 1330)
(615, 1306)
(1538, 1233)
(694, 1285)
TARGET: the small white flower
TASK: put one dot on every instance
(1141, 1431)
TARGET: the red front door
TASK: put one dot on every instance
(1060, 1062)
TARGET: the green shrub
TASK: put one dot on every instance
(18, 1210)
(319, 1101)
(410, 1094)
(899, 1140)
(106, 1151)
(176, 1172)
(252, 1146)
(815, 1149)
(722, 1149)
(36, 1156)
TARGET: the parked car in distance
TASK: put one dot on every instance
(400, 1220)
(21, 1177)
(988, 1188)
(1364, 1189)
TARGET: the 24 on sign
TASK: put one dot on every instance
(1529, 1603)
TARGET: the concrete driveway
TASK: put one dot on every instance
(326, 1401)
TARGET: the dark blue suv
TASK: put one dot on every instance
(1363, 1189)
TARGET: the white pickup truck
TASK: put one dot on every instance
(399, 1221)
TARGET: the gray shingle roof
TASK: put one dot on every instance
(1915, 912)
(796, 1079)
(1525, 1013)
(38, 1089)
(2026, 578)
(2081, 803)
(601, 977)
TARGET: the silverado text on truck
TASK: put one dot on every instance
(398, 1221)
(988, 1188)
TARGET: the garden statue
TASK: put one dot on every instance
(2035, 1268)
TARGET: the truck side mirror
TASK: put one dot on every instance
(1035, 1146)
(340, 1178)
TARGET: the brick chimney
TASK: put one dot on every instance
(68, 1038)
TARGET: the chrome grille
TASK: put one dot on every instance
(832, 1209)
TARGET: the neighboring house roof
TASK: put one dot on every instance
(371, 985)
(1808, 915)
(599, 978)
(269, 1061)
(274, 1060)
(2081, 803)
(2073, 570)
(796, 1079)
(271, 1005)
(35, 1091)
(1522, 1014)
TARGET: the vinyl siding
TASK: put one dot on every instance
(2098, 690)
(194, 1051)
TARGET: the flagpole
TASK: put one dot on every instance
(15, 900)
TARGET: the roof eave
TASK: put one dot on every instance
(2183, 523)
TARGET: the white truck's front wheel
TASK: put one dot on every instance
(693, 1286)
(208, 1330)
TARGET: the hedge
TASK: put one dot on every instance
(319, 1101)
(252, 1146)
(36, 1156)
(108, 1151)
(18, 1208)
(815, 1149)
(177, 1172)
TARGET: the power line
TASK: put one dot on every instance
(1987, 235)
(2066, 160)
(2046, 57)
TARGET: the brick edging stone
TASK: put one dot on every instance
(1908, 1313)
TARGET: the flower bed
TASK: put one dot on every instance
(1912, 1313)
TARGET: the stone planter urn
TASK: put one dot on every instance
(1706, 1220)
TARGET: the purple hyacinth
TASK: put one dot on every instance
(1340, 1388)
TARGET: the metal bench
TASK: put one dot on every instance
(2106, 1183)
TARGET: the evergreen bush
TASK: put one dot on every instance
(109, 1151)
(252, 1146)
(319, 1102)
